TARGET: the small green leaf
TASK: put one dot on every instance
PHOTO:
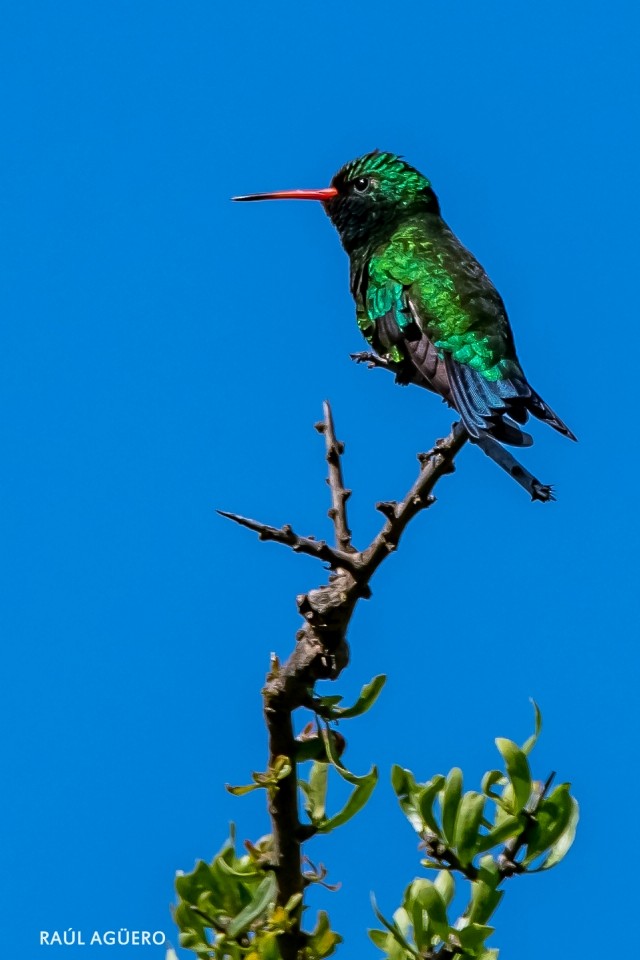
(562, 845)
(490, 779)
(445, 885)
(529, 744)
(323, 941)
(396, 952)
(489, 872)
(421, 927)
(368, 696)
(425, 803)
(428, 895)
(240, 791)
(364, 787)
(264, 895)
(419, 919)
(473, 936)
(247, 874)
(450, 801)
(407, 792)
(403, 920)
(517, 770)
(505, 803)
(334, 759)
(207, 881)
(316, 792)
(380, 938)
(326, 704)
(267, 945)
(467, 825)
(281, 768)
(484, 900)
(551, 820)
(508, 827)
(294, 901)
(394, 930)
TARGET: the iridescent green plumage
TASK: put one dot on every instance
(414, 264)
(425, 304)
(427, 307)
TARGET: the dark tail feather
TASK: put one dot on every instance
(495, 407)
(506, 460)
(543, 412)
(489, 408)
(506, 431)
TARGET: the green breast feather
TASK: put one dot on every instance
(415, 267)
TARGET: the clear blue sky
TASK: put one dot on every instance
(164, 352)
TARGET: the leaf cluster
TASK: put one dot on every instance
(511, 825)
(227, 909)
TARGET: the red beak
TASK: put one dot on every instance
(326, 193)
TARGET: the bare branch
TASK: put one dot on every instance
(339, 493)
(363, 564)
(287, 536)
(434, 465)
(447, 858)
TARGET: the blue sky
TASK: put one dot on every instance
(164, 352)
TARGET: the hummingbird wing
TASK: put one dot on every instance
(429, 304)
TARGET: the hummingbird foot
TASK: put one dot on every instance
(541, 491)
(372, 360)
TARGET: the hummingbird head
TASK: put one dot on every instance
(375, 192)
(367, 197)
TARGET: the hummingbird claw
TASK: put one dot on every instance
(361, 357)
(542, 492)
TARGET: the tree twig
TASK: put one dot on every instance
(339, 493)
(286, 535)
(434, 465)
(363, 564)
(436, 850)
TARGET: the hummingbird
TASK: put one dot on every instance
(426, 306)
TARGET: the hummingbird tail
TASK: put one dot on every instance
(543, 412)
(496, 408)
(492, 408)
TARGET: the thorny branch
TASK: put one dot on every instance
(286, 535)
(321, 650)
(339, 493)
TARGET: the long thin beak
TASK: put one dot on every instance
(327, 193)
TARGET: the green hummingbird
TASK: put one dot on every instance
(427, 307)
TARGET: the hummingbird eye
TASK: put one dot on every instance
(362, 184)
